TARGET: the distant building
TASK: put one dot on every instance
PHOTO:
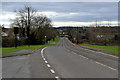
(3, 34)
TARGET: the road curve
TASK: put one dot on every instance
(70, 61)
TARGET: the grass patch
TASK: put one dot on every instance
(56, 40)
(114, 49)
(13, 49)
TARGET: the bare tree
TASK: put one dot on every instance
(23, 18)
(38, 24)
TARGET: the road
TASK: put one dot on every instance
(64, 60)
(71, 61)
(26, 66)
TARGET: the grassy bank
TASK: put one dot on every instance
(56, 40)
(13, 49)
(113, 49)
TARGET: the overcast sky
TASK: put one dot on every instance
(66, 13)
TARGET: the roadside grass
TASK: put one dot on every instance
(113, 49)
(24, 47)
(56, 40)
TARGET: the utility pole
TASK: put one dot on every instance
(26, 22)
(77, 34)
(28, 27)
(100, 23)
(109, 23)
(96, 23)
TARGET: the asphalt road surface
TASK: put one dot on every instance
(70, 61)
(64, 60)
(26, 66)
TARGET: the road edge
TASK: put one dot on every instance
(116, 56)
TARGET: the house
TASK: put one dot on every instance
(3, 34)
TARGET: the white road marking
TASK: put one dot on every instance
(83, 57)
(73, 52)
(91, 50)
(57, 77)
(97, 62)
(108, 54)
(42, 56)
(46, 62)
(44, 59)
(101, 53)
(48, 65)
(105, 65)
(52, 71)
(87, 58)
(43, 49)
(98, 52)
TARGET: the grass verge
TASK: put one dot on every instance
(13, 49)
(113, 49)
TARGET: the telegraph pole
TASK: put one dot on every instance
(109, 23)
(28, 27)
(96, 23)
(77, 34)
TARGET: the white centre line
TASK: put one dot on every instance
(57, 77)
(42, 56)
(48, 65)
(44, 59)
(52, 71)
(43, 49)
(46, 62)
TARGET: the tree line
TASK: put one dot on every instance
(94, 35)
(33, 28)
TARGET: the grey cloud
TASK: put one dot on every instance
(97, 10)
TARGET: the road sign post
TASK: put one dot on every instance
(45, 39)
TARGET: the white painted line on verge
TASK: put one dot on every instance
(48, 65)
(52, 71)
